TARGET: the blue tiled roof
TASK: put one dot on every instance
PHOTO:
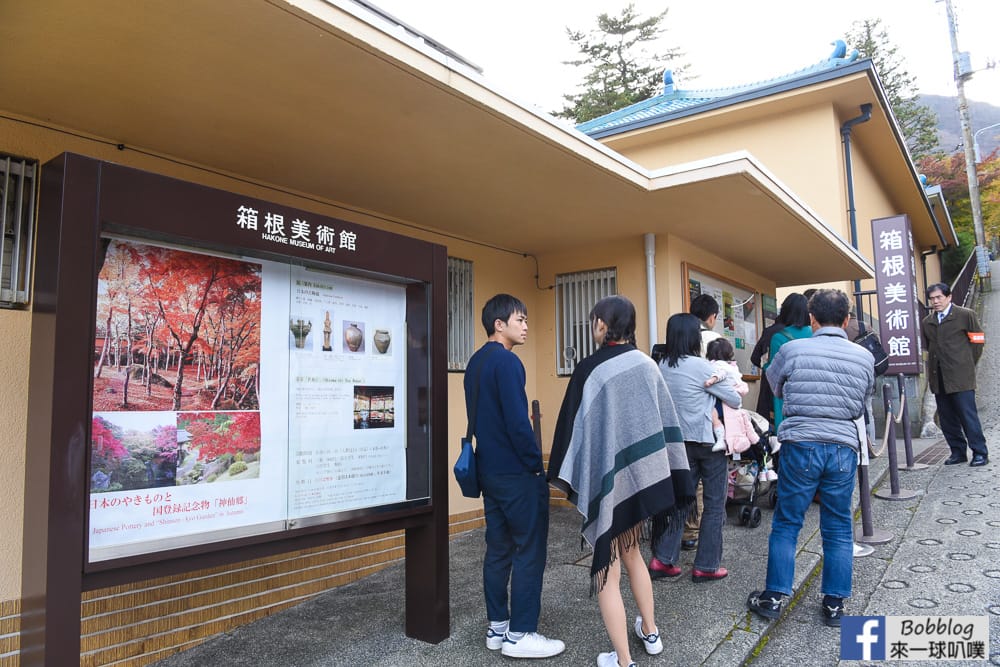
(672, 103)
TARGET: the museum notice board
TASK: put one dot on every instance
(215, 378)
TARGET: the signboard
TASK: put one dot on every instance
(737, 318)
(896, 293)
(982, 260)
(175, 372)
(199, 434)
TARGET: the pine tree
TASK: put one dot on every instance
(916, 121)
(621, 72)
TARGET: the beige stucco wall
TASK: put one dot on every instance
(782, 142)
(628, 257)
(494, 271)
(15, 331)
(804, 150)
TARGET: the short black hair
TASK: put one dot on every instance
(720, 349)
(794, 311)
(501, 307)
(618, 313)
(830, 307)
(939, 287)
(704, 306)
(683, 337)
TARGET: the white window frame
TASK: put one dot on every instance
(576, 294)
(461, 313)
(18, 201)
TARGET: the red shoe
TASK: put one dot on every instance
(701, 575)
(658, 570)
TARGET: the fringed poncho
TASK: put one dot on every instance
(618, 452)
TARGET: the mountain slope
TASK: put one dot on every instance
(949, 128)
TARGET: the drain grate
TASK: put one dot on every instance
(934, 454)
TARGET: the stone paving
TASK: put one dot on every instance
(943, 558)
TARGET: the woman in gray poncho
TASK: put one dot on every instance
(618, 455)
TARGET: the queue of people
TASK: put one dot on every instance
(637, 435)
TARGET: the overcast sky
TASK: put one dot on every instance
(520, 44)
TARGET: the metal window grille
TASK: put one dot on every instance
(576, 294)
(17, 214)
(461, 314)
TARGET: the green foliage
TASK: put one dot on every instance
(132, 474)
(916, 121)
(620, 71)
(953, 259)
(237, 468)
(211, 478)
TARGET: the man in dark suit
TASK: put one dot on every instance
(954, 342)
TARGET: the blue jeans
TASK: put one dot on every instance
(516, 506)
(710, 468)
(960, 422)
(805, 468)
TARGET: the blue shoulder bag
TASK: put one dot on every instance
(465, 470)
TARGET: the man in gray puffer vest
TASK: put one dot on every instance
(825, 382)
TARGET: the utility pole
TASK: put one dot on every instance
(962, 73)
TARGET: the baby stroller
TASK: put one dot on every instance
(748, 474)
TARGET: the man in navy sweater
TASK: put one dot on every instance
(512, 478)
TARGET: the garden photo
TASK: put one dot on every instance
(218, 446)
(133, 450)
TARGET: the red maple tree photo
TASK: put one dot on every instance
(176, 330)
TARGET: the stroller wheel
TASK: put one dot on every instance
(772, 496)
(744, 515)
(754, 520)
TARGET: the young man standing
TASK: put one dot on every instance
(826, 381)
(706, 309)
(954, 342)
(512, 478)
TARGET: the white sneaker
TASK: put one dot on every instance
(651, 642)
(494, 639)
(610, 660)
(531, 645)
(762, 476)
(772, 476)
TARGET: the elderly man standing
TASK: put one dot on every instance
(954, 342)
(825, 381)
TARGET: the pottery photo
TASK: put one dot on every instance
(354, 337)
(381, 339)
(300, 329)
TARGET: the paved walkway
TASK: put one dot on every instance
(944, 558)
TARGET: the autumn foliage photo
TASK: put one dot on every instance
(176, 331)
(133, 451)
(218, 446)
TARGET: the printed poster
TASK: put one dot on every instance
(345, 394)
(230, 396)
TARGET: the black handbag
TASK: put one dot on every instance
(466, 473)
(869, 341)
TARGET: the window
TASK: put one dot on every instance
(461, 314)
(17, 215)
(576, 294)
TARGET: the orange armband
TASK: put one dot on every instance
(976, 337)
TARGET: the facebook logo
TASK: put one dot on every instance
(862, 638)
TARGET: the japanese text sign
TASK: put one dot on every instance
(896, 293)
